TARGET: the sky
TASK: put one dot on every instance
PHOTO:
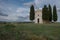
(18, 10)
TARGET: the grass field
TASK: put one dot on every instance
(30, 31)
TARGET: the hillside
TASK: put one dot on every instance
(29, 31)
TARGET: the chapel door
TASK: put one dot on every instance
(38, 20)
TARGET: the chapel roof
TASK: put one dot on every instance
(38, 10)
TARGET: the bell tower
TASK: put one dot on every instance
(38, 16)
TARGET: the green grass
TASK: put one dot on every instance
(50, 30)
(43, 28)
(29, 31)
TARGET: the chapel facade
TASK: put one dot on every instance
(38, 16)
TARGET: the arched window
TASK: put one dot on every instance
(38, 14)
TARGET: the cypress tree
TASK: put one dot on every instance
(54, 13)
(32, 13)
(45, 13)
(50, 13)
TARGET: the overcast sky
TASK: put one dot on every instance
(18, 10)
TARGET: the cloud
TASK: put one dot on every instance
(41, 3)
(38, 3)
(57, 2)
(29, 4)
(23, 19)
(20, 12)
(23, 11)
(1, 14)
(2, 17)
(13, 12)
(7, 10)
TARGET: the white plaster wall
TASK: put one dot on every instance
(38, 12)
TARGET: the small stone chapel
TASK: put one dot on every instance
(38, 16)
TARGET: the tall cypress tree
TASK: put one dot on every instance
(50, 13)
(32, 13)
(45, 13)
(54, 13)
